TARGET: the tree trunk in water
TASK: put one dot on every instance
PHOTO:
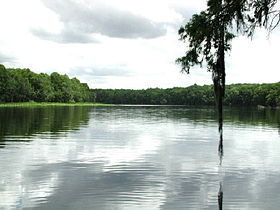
(220, 197)
(218, 77)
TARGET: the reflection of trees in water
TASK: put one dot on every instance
(236, 115)
(279, 126)
(19, 121)
(221, 154)
(220, 197)
(221, 147)
(244, 115)
(201, 114)
(252, 116)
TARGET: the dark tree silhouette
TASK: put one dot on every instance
(208, 35)
(208, 38)
(263, 14)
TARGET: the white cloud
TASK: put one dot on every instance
(254, 61)
(44, 39)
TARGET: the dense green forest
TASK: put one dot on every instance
(236, 95)
(23, 85)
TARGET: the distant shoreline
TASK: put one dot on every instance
(263, 95)
(57, 104)
(33, 104)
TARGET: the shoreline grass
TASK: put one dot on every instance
(33, 104)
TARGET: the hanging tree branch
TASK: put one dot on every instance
(208, 37)
(263, 14)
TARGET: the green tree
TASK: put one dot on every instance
(43, 88)
(5, 84)
(63, 91)
(21, 90)
(20, 85)
(208, 36)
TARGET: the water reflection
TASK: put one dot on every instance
(220, 197)
(279, 127)
(221, 146)
(251, 116)
(220, 151)
(143, 157)
(19, 123)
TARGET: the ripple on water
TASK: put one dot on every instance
(139, 158)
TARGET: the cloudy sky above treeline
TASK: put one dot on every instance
(122, 43)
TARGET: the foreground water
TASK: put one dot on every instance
(138, 158)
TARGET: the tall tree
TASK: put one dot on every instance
(208, 37)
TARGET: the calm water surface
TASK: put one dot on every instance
(134, 157)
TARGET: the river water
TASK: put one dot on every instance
(138, 157)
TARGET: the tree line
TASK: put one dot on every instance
(23, 85)
(236, 95)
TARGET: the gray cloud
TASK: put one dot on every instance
(66, 36)
(80, 21)
(100, 71)
(4, 58)
(186, 13)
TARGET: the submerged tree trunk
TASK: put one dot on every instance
(220, 197)
(219, 88)
(218, 77)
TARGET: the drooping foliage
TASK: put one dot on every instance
(208, 35)
(206, 31)
(263, 13)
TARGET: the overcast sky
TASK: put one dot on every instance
(121, 43)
